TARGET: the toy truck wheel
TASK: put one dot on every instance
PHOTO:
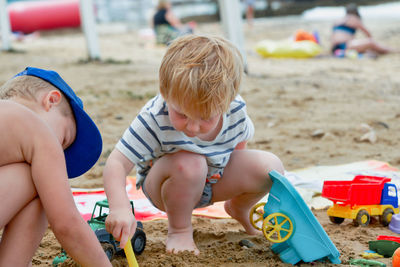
(362, 218)
(257, 215)
(108, 249)
(277, 227)
(336, 220)
(138, 241)
(386, 216)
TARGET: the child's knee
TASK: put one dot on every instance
(263, 162)
(17, 176)
(274, 163)
(21, 169)
(189, 166)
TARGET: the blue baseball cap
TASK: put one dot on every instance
(84, 152)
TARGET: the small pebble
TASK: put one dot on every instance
(246, 243)
(318, 133)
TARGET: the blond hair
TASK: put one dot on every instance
(28, 87)
(201, 74)
(163, 4)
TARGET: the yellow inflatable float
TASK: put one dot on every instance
(288, 49)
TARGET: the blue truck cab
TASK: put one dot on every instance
(390, 195)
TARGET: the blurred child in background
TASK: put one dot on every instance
(342, 38)
(167, 25)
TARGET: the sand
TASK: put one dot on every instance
(287, 99)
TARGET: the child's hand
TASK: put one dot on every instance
(121, 224)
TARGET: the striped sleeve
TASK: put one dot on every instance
(248, 129)
(140, 142)
(240, 123)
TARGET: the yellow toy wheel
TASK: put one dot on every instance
(386, 216)
(277, 227)
(363, 218)
(257, 215)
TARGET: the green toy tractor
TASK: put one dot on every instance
(107, 241)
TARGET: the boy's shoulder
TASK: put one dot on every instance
(155, 105)
(239, 100)
(20, 117)
(238, 104)
(22, 132)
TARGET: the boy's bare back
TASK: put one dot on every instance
(24, 136)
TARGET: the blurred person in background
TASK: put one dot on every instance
(344, 31)
(250, 11)
(167, 25)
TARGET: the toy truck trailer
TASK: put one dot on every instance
(361, 198)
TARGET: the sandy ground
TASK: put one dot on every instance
(287, 99)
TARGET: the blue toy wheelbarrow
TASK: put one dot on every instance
(287, 221)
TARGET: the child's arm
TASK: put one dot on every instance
(173, 20)
(365, 30)
(120, 222)
(43, 151)
(358, 24)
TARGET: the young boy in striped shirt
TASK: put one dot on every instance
(188, 145)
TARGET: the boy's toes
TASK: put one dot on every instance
(177, 251)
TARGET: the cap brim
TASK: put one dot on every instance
(83, 153)
(86, 149)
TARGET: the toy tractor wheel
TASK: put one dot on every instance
(277, 227)
(138, 241)
(362, 218)
(257, 215)
(386, 216)
(108, 249)
(336, 220)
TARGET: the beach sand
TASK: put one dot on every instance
(287, 99)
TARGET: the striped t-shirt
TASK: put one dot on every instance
(151, 135)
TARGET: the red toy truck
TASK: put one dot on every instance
(361, 198)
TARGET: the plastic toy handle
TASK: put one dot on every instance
(130, 256)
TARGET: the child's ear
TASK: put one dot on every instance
(52, 98)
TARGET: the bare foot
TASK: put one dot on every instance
(181, 241)
(242, 216)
